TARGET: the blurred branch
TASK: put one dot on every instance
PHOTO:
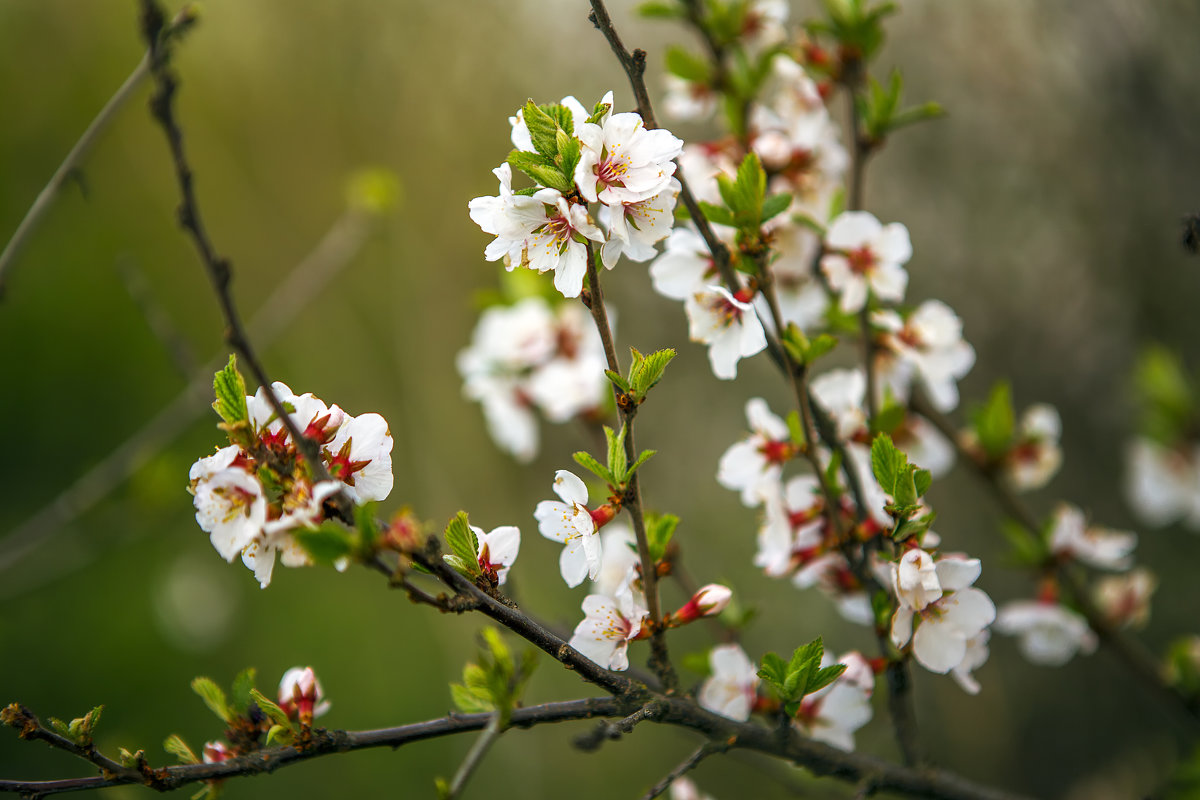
(157, 318)
(332, 253)
(1131, 652)
(70, 165)
(219, 269)
(474, 756)
(690, 763)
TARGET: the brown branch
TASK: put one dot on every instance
(219, 269)
(1128, 650)
(690, 763)
(660, 659)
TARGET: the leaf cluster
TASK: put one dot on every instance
(556, 150)
(746, 206)
(80, 729)
(799, 676)
(880, 111)
(644, 373)
(617, 472)
(856, 25)
(906, 483)
(496, 682)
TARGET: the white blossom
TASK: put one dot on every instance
(300, 694)
(841, 393)
(729, 327)
(230, 505)
(731, 688)
(1050, 634)
(947, 622)
(497, 550)
(609, 625)
(571, 523)
(361, 458)
(1125, 599)
(832, 714)
(865, 256)
(623, 162)
(684, 267)
(976, 657)
(686, 100)
(754, 464)
(1162, 484)
(1101, 548)
(1036, 456)
(928, 346)
(635, 227)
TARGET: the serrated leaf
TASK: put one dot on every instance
(128, 759)
(649, 371)
(922, 479)
(242, 684)
(543, 129)
(468, 701)
(588, 462)
(688, 66)
(463, 544)
(887, 463)
(230, 390)
(177, 747)
(659, 530)
(825, 676)
(751, 187)
(60, 727)
(775, 205)
(717, 214)
(213, 697)
(642, 458)
(271, 709)
(774, 670)
(460, 566)
(616, 380)
(327, 543)
(540, 169)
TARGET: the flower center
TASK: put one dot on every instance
(861, 259)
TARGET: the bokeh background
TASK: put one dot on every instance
(1045, 209)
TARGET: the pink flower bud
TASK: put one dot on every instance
(301, 696)
(216, 752)
(709, 600)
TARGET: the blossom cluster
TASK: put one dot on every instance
(252, 496)
(533, 357)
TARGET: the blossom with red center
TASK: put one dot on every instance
(729, 326)
(497, 550)
(928, 346)
(573, 524)
(946, 609)
(733, 685)
(622, 161)
(609, 625)
(864, 256)
(753, 465)
(833, 713)
(1048, 633)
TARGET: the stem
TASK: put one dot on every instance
(660, 660)
(76, 155)
(475, 756)
(690, 763)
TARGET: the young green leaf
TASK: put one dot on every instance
(654, 9)
(541, 169)
(616, 380)
(177, 747)
(588, 462)
(825, 676)
(328, 543)
(887, 463)
(717, 214)
(230, 390)
(242, 686)
(213, 697)
(265, 704)
(659, 530)
(543, 129)
(647, 371)
(616, 454)
(463, 544)
(688, 66)
(775, 205)
(642, 458)
(994, 421)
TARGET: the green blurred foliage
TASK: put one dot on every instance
(1044, 209)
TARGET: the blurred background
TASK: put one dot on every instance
(1045, 209)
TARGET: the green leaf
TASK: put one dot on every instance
(569, 152)
(659, 530)
(795, 428)
(327, 543)
(774, 670)
(128, 759)
(230, 390)
(717, 214)
(922, 479)
(887, 463)
(213, 697)
(805, 662)
(825, 676)
(177, 747)
(775, 205)
(821, 344)
(688, 66)
(540, 169)
(562, 116)
(642, 458)
(543, 129)
(616, 380)
(1165, 394)
(616, 454)
(994, 421)
(460, 566)
(282, 734)
(661, 10)
(588, 462)
(647, 371)
(463, 544)
(268, 706)
(469, 701)
(242, 686)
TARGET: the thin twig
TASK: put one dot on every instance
(475, 756)
(690, 763)
(660, 660)
(70, 165)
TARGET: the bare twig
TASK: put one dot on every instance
(475, 756)
(690, 763)
(178, 26)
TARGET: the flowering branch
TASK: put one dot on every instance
(1140, 661)
(218, 268)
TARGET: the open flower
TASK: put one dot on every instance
(753, 465)
(976, 657)
(1125, 599)
(1101, 548)
(1049, 634)
(361, 458)
(731, 688)
(946, 622)
(622, 161)
(865, 256)
(1036, 456)
(684, 267)
(571, 523)
(229, 501)
(634, 228)
(609, 625)
(928, 345)
(1162, 484)
(728, 325)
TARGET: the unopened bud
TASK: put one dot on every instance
(708, 601)
(216, 752)
(301, 695)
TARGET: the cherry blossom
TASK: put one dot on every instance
(497, 550)
(731, 688)
(685, 100)
(609, 625)
(841, 393)
(229, 501)
(635, 227)
(1162, 484)
(619, 560)
(801, 297)
(832, 714)
(1125, 599)
(622, 161)
(1101, 548)
(928, 345)
(728, 325)
(571, 523)
(684, 267)
(684, 788)
(215, 752)
(864, 256)
(708, 601)
(301, 695)
(915, 578)
(753, 465)
(1050, 634)
(976, 657)
(1036, 456)
(361, 458)
(952, 615)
